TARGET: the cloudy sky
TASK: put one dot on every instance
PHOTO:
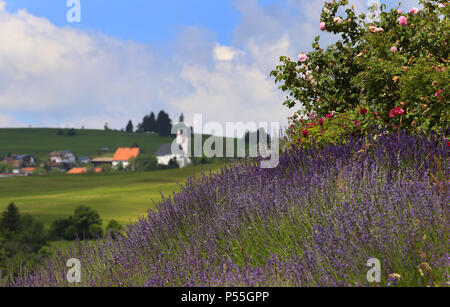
(128, 58)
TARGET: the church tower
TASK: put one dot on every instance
(183, 141)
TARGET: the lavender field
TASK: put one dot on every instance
(315, 220)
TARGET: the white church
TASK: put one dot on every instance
(165, 152)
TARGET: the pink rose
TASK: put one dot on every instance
(414, 10)
(302, 57)
(323, 26)
(403, 21)
(321, 121)
(329, 116)
(337, 20)
(399, 11)
(394, 49)
(325, 10)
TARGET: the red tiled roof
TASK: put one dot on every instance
(125, 154)
(77, 170)
(28, 169)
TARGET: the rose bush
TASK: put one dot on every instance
(397, 61)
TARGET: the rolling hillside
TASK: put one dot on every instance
(39, 142)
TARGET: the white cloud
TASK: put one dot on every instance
(9, 121)
(224, 53)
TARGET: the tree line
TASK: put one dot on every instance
(161, 124)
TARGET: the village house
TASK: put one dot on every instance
(165, 154)
(20, 160)
(62, 157)
(84, 160)
(123, 155)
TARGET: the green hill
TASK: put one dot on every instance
(39, 142)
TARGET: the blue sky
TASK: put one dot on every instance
(146, 21)
(128, 58)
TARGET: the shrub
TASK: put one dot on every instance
(381, 65)
(145, 162)
(114, 228)
(95, 231)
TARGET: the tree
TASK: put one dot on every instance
(181, 119)
(72, 132)
(11, 221)
(84, 217)
(106, 126)
(60, 132)
(3, 257)
(163, 124)
(58, 229)
(145, 162)
(33, 236)
(130, 127)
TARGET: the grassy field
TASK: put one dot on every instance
(119, 196)
(87, 143)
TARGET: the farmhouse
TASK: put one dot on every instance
(20, 160)
(123, 155)
(62, 157)
(165, 154)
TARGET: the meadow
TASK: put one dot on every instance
(119, 196)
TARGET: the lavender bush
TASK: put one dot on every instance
(314, 220)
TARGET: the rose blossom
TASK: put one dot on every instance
(394, 49)
(399, 11)
(329, 116)
(414, 10)
(322, 121)
(397, 111)
(305, 133)
(337, 20)
(325, 10)
(363, 111)
(323, 26)
(403, 21)
(302, 57)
